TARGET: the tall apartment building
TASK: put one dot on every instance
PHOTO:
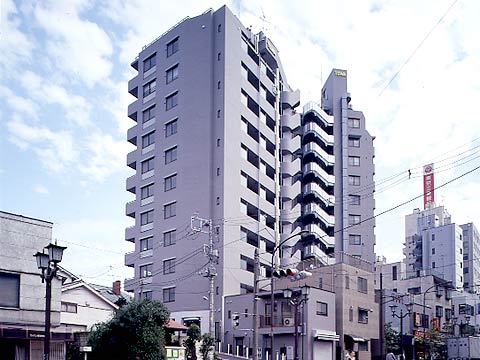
(434, 245)
(471, 254)
(218, 134)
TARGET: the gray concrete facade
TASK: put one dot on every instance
(22, 298)
(471, 254)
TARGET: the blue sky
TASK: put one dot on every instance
(64, 68)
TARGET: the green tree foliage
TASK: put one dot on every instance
(391, 338)
(193, 335)
(435, 340)
(207, 345)
(137, 329)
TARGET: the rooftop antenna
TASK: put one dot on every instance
(264, 20)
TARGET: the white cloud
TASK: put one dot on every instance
(15, 46)
(80, 48)
(56, 150)
(18, 103)
(40, 189)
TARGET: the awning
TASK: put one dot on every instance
(325, 335)
(356, 338)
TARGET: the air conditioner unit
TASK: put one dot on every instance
(288, 321)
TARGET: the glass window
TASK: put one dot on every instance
(146, 270)
(68, 307)
(171, 128)
(169, 238)
(172, 47)
(354, 123)
(169, 295)
(146, 191)
(148, 114)
(355, 239)
(10, 294)
(149, 62)
(354, 160)
(354, 180)
(146, 244)
(171, 182)
(354, 219)
(354, 199)
(170, 155)
(172, 74)
(322, 308)
(149, 88)
(169, 266)
(148, 139)
(362, 285)
(146, 295)
(148, 165)
(362, 316)
(354, 141)
(169, 210)
(146, 217)
(171, 101)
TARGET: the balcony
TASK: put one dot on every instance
(133, 86)
(290, 191)
(130, 209)
(291, 168)
(132, 110)
(317, 170)
(317, 231)
(290, 98)
(313, 251)
(315, 129)
(318, 212)
(279, 321)
(318, 192)
(317, 150)
(130, 259)
(291, 122)
(131, 183)
(318, 112)
(132, 135)
(130, 284)
(130, 233)
(132, 159)
(292, 145)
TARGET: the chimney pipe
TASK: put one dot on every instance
(116, 287)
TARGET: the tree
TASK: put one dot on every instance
(137, 329)
(391, 338)
(190, 343)
(435, 341)
(207, 345)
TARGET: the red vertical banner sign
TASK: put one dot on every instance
(428, 186)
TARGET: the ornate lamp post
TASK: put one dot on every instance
(401, 317)
(48, 263)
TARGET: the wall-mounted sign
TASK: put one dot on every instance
(342, 73)
(428, 186)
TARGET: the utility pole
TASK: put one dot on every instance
(209, 271)
(256, 273)
(382, 325)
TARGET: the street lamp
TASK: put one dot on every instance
(296, 301)
(272, 295)
(48, 263)
(401, 317)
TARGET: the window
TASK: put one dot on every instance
(172, 47)
(148, 114)
(10, 294)
(146, 217)
(172, 74)
(353, 141)
(433, 264)
(169, 238)
(169, 210)
(350, 314)
(146, 270)
(168, 266)
(354, 123)
(362, 285)
(354, 160)
(322, 308)
(170, 155)
(69, 307)
(439, 311)
(433, 237)
(148, 165)
(355, 239)
(354, 180)
(433, 251)
(354, 219)
(171, 101)
(148, 139)
(149, 88)
(146, 295)
(170, 182)
(354, 199)
(394, 272)
(146, 191)
(169, 295)
(362, 316)
(146, 244)
(219, 28)
(149, 62)
(171, 128)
